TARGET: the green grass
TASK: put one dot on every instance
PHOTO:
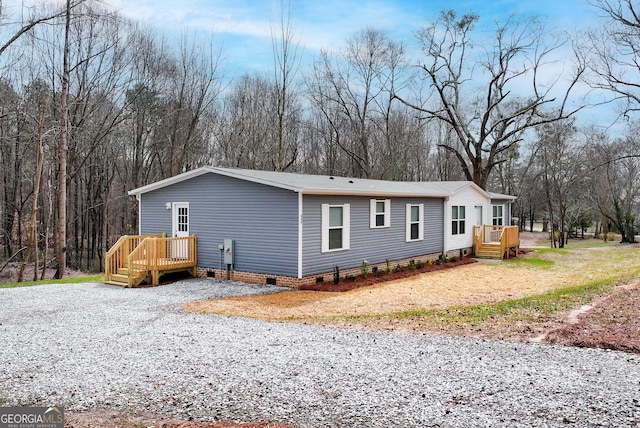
(75, 280)
(533, 262)
(590, 243)
(622, 266)
(529, 307)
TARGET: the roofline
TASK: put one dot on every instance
(493, 195)
(347, 192)
(306, 191)
(201, 171)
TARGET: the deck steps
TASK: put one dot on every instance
(122, 278)
(137, 258)
(489, 251)
(495, 241)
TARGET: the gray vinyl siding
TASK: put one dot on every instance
(263, 221)
(373, 245)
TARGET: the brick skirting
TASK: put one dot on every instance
(294, 282)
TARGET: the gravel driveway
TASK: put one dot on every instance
(97, 346)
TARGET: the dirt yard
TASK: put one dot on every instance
(373, 305)
(483, 282)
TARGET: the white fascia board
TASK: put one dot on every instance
(375, 194)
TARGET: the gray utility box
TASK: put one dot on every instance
(228, 251)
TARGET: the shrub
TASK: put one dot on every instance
(388, 262)
(364, 269)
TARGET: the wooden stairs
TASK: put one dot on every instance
(489, 250)
(135, 259)
(495, 242)
(123, 278)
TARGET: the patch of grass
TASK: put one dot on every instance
(560, 251)
(590, 243)
(75, 280)
(524, 308)
(530, 262)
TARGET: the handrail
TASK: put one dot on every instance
(154, 254)
(478, 238)
(509, 239)
(506, 236)
(116, 257)
(141, 256)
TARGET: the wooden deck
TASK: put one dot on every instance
(145, 258)
(495, 242)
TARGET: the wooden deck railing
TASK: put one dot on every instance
(161, 255)
(509, 238)
(116, 257)
(506, 237)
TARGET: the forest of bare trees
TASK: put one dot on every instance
(93, 105)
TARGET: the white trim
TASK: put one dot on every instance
(458, 220)
(139, 214)
(408, 222)
(501, 216)
(346, 227)
(174, 218)
(300, 224)
(373, 213)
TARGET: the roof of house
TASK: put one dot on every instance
(328, 185)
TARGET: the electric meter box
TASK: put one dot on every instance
(228, 251)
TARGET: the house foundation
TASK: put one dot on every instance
(345, 273)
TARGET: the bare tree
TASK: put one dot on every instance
(352, 84)
(562, 171)
(63, 146)
(477, 88)
(615, 181)
(242, 134)
(286, 65)
(613, 52)
(24, 27)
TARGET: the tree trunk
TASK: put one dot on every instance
(63, 144)
(33, 234)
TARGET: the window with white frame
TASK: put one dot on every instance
(380, 213)
(335, 227)
(458, 219)
(497, 215)
(415, 222)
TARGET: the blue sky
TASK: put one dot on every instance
(243, 26)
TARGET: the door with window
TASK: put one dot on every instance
(180, 249)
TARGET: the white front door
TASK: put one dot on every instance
(479, 221)
(180, 219)
(180, 222)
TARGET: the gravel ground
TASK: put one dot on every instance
(89, 346)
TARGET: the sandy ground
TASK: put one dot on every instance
(483, 282)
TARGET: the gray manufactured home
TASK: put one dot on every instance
(292, 229)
